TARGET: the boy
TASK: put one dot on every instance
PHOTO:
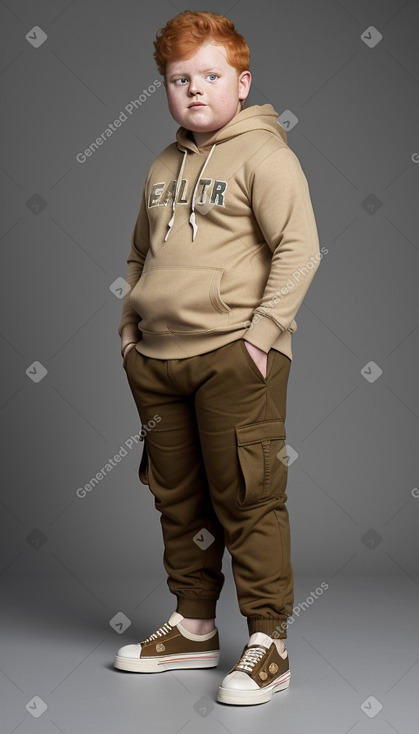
(223, 251)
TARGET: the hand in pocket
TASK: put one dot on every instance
(128, 349)
(259, 357)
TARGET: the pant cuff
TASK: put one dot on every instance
(275, 628)
(196, 608)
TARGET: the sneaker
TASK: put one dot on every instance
(260, 672)
(171, 647)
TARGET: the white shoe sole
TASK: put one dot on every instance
(248, 698)
(169, 662)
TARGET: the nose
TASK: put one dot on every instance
(194, 88)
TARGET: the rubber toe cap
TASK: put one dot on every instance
(238, 681)
(130, 651)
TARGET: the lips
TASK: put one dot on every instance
(197, 104)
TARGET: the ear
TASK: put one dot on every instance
(244, 81)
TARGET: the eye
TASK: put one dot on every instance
(213, 75)
(180, 80)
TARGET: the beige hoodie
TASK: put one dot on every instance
(225, 244)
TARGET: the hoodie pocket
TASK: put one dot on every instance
(180, 299)
(264, 475)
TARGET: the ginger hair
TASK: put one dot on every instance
(182, 35)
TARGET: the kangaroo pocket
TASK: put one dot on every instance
(180, 299)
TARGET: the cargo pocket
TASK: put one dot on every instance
(143, 468)
(263, 474)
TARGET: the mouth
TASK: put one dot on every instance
(197, 104)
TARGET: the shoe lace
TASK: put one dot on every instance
(249, 658)
(163, 630)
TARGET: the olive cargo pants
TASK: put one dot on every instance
(211, 463)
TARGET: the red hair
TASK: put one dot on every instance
(182, 35)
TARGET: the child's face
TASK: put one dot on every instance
(209, 79)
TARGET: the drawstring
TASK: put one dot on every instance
(192, 216)
(192, 220)
(179, 179)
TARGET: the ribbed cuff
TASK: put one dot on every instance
(263, 332)
(129, 335)
(196, 608)
(275, 628)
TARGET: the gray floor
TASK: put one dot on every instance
(352, 650)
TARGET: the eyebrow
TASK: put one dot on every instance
(201, 71)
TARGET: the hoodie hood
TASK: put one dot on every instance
(256, 117)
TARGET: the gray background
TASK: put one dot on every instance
(69, 564)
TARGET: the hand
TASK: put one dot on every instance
(126, 352)
(259, 357)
